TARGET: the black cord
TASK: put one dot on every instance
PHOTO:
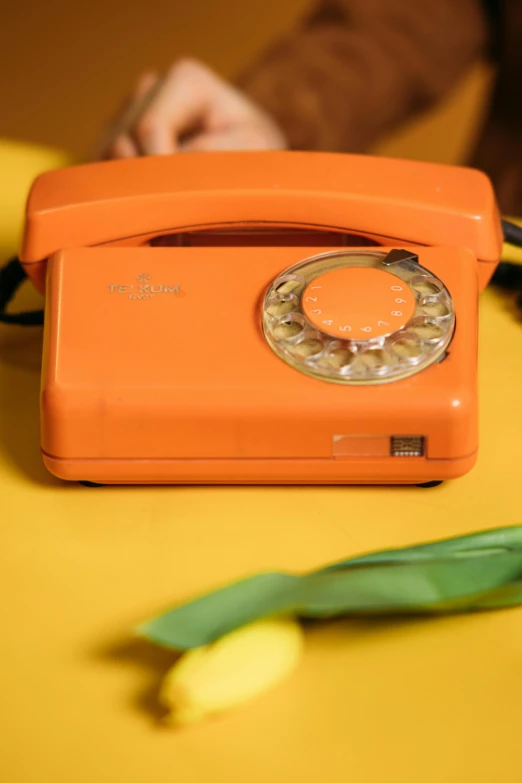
(512, 233)
(508, 275)
(12, 275)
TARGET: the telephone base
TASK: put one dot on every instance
(247, 472)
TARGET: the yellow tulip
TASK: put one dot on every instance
(231, 671)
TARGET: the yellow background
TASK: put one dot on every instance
(394, 702)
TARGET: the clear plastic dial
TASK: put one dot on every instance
(356, 318)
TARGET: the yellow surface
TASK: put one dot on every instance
(20, 164)
(394, 702)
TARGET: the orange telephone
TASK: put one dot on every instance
(260, 317)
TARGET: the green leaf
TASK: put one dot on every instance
(472, 545)
(208, 618)
(470, 573)
(397, 588)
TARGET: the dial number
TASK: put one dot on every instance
(354, 303)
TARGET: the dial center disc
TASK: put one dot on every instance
(358, 303)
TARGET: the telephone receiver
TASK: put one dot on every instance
(260, 317)
(133, 202)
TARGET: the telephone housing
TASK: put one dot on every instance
(159, 363)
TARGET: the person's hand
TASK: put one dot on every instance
(190, 109)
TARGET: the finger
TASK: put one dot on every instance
(204, 142)
(145, 83)
(119, 125)
(125, 116)
(227, 139)
(144, 93)
(179, 106)
(123, 147)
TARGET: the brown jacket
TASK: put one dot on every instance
(356, 69)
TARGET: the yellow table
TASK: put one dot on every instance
(394, 702)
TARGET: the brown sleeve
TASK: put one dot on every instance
(357, 68)
(499, 145)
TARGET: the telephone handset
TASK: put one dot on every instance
(133, 201)
(183, 347)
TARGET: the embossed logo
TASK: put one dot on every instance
(144, 290)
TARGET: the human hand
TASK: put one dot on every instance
(190, 109)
